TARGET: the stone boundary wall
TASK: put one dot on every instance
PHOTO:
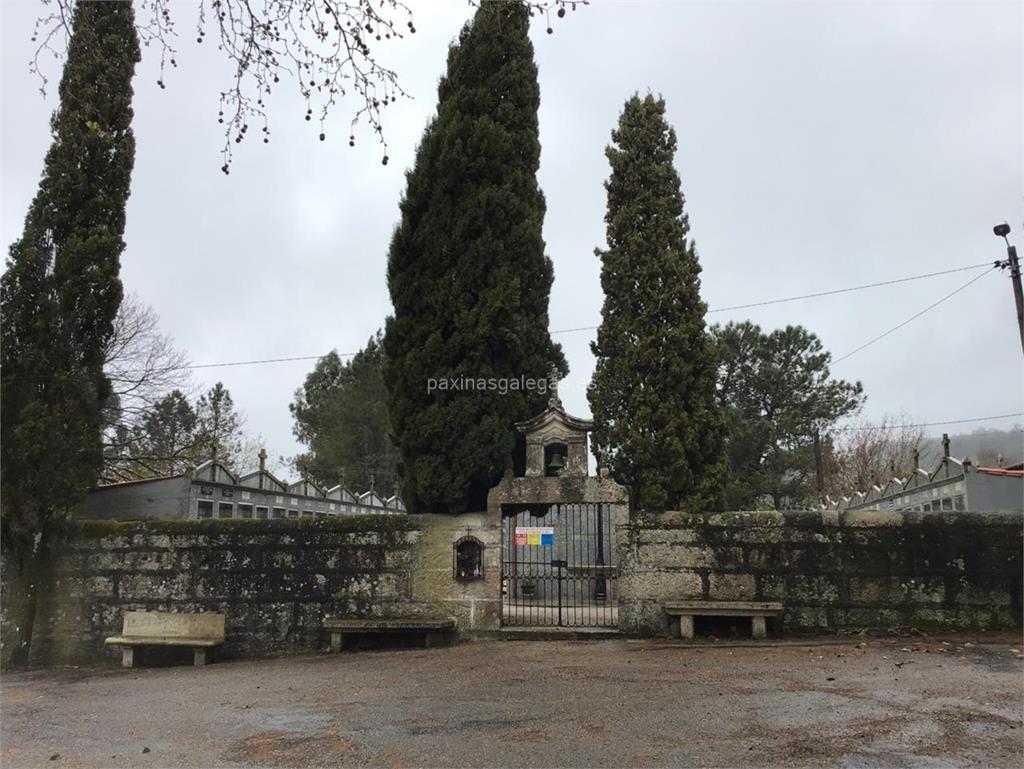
(274, 580)
(832, 571)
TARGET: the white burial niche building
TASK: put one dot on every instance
(211, 490)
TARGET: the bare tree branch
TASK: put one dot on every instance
(328, 48)
(873, 454)
(143, 366)
(141, 363)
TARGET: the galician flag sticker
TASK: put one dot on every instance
(543, 536)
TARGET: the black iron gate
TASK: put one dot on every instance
(558, 565)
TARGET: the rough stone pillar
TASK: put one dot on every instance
(534, 457)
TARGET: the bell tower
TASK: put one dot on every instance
(556, 443)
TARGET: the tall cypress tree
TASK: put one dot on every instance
(61, 291)
(653, 393)
(468, 276)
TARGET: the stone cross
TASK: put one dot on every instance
(263, 459)
(554, 401)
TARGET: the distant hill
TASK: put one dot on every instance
(982, 446)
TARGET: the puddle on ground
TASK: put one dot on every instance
(894, 761)
(293, 719)
(796, 709)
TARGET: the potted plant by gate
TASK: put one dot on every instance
(527, 587)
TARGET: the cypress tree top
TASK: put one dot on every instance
(467, 272)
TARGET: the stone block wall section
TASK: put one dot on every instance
(274, 580)
(474, 604)
(832, 571)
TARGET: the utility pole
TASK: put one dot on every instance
(1002, 230)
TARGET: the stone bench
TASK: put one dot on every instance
(757, 611)
(200, 632)
(435, 629)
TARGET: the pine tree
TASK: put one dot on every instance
(165, 441)
(467, 271)
(656, 422)
(61, 291)
(219, 426)
(341, 415)
(776, 391)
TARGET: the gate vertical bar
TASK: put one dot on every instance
(593, 616)
(510, 595)
(564, 511)
(512, 583)
(570, 553)
(576, 559)
(559, 594)
(600, 587)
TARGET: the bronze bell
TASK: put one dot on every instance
(556, 465)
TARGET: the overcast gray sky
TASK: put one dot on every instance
(821, 145)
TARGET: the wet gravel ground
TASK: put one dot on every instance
(873, 703)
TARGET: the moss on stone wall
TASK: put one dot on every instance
(831, 572)
(274, 580)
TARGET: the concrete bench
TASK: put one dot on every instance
(435, 629)
(757, 611)
(200, 632)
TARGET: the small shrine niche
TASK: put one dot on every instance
(556, 443)
(468, 559)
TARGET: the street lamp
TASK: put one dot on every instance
(1002, 231)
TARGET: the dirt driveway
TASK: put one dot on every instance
(881, 703)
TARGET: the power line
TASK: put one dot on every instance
(833, 292)
(720, 309)
(927, 424)
(915, 316)
(265, 360)
(570, 330)
(855, 288)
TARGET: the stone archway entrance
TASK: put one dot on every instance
(559, 565)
